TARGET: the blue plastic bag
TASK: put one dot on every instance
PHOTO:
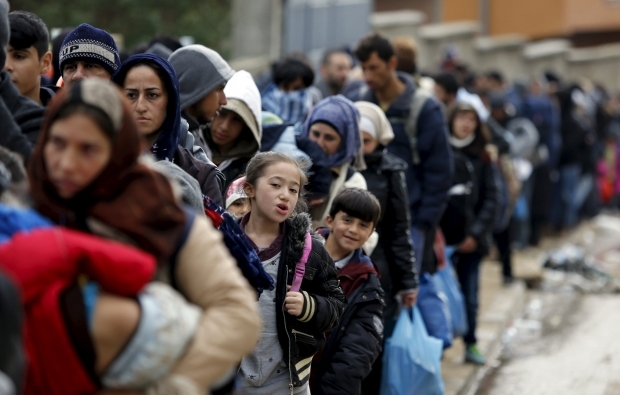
(412, 359)
(434, 310)
(446, 283)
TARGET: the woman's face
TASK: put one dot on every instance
(75, 153)
(148, 97)
(464, 124)
(326, 137)
(370, 143)
(225, 128)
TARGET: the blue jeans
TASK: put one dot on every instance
(468, 271)
(418, 239)
(565, 212)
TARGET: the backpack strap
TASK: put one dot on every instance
(300, 268)
(419, 99)
(361, 92)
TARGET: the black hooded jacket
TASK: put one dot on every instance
(320, 284)
(385, 178)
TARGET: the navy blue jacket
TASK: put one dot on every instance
(355, 343)
(428, 182)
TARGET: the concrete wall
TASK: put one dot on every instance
(546, 55)
(503, 53)
(512, 54)
(260, 41)
(436, 38)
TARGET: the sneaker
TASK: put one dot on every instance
(473, 355)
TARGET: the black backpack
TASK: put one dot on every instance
(459, 212)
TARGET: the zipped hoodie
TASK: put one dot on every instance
(243, 99)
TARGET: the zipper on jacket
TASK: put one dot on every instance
(290, 374)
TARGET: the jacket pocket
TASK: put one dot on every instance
(305, 338)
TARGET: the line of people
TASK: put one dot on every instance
(341, 198)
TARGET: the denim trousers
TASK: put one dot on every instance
(468, 271)
(565, 211)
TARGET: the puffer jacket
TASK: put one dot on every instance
(299, 339)
(203, 271)
(355, 343)
(56, 364)
(394, 256)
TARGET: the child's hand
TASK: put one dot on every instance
(294, 302)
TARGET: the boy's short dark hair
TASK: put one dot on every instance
(374, 43)
(448, 82)
(357, 203)
(28, 30)
(496, 76)
(288, 69)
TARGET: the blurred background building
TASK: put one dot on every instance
(584, 22)
(574, 38)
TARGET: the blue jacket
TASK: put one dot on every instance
(13, 220)
(428, 182)
(355, 343)
(546, 117)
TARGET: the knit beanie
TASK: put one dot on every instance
(4, 31)
(200, 70)
(90, 44)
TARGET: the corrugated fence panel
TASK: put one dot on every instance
(315, 25)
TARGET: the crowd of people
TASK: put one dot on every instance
(172, 226)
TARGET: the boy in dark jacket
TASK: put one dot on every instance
(29, 56)
(355, 342)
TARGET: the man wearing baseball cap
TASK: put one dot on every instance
(88, 52)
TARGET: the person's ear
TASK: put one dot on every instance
(249, 190)
(46, 62)
(329, 221)
(393, 63)
(323, 70)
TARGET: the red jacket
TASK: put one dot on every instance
(46, 262)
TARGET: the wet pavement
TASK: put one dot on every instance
(566, 341)
(575, 351)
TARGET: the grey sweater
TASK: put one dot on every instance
(264, 372)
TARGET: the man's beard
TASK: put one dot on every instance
(335, 85)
